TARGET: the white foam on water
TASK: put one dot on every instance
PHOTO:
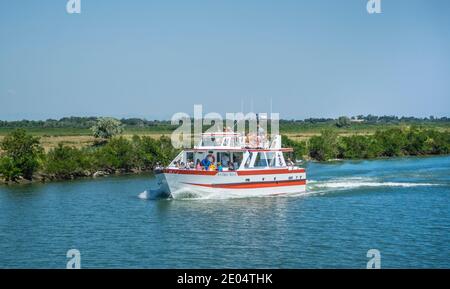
(187, 194)
(153, 194)
(356, 182)
(314, 187)
(143, 195)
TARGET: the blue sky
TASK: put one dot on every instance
(321, 58)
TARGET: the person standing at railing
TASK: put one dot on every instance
(261, 136)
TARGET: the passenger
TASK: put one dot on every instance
(225, 160)
(260, 137)
(198, 166)
(289, 162)
(219, 167)
(260, 131)
(206, 162)
(230, 166)
(237, 161)
(252, 140)
(212, 167)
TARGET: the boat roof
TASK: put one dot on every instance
(225, 133)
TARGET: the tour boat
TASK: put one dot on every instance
(229, 163)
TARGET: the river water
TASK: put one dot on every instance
(400, 207)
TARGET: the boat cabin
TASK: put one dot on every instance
(231, 151)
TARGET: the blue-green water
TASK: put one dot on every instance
(400, 207)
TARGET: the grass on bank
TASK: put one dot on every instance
(82, 137)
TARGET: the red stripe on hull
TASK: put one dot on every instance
(253, 185)
(239, 173)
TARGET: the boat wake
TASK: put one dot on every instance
(143, 195)
(356, 183)
(153, 194)
(313, 187)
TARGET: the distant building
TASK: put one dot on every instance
(357, 120)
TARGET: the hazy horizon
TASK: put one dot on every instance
(168, 119)
(148, 59)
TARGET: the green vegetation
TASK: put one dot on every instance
(77, 126)
(21, 155)
(323, 147)
(299, 147)
(410, 141)
(64, 162)
(23, 158)
(107, 127)
(83, 125)
(343, 121)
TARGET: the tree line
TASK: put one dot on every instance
(23, 158)
(82, 122)
(88, 122)
(393, 142)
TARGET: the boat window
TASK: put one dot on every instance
(224, 159)
(271, 159)
(177, 160)
(248, 161)
(189, 156)
(260, 160)
(236, 158)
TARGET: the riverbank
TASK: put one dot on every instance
(46, 178)
(43, 178)
(23, 159)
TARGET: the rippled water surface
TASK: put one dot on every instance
(400, 207)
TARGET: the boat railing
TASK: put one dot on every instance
(236, 140)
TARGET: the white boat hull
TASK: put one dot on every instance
(233, 183)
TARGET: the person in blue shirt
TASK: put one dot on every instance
(206, 162)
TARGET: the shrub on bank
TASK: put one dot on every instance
(323, 147)
(117, 155)
(8, 169)
(393, 142)
(358, 147)
(21, 155)
(66, 162)
(299, 147)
